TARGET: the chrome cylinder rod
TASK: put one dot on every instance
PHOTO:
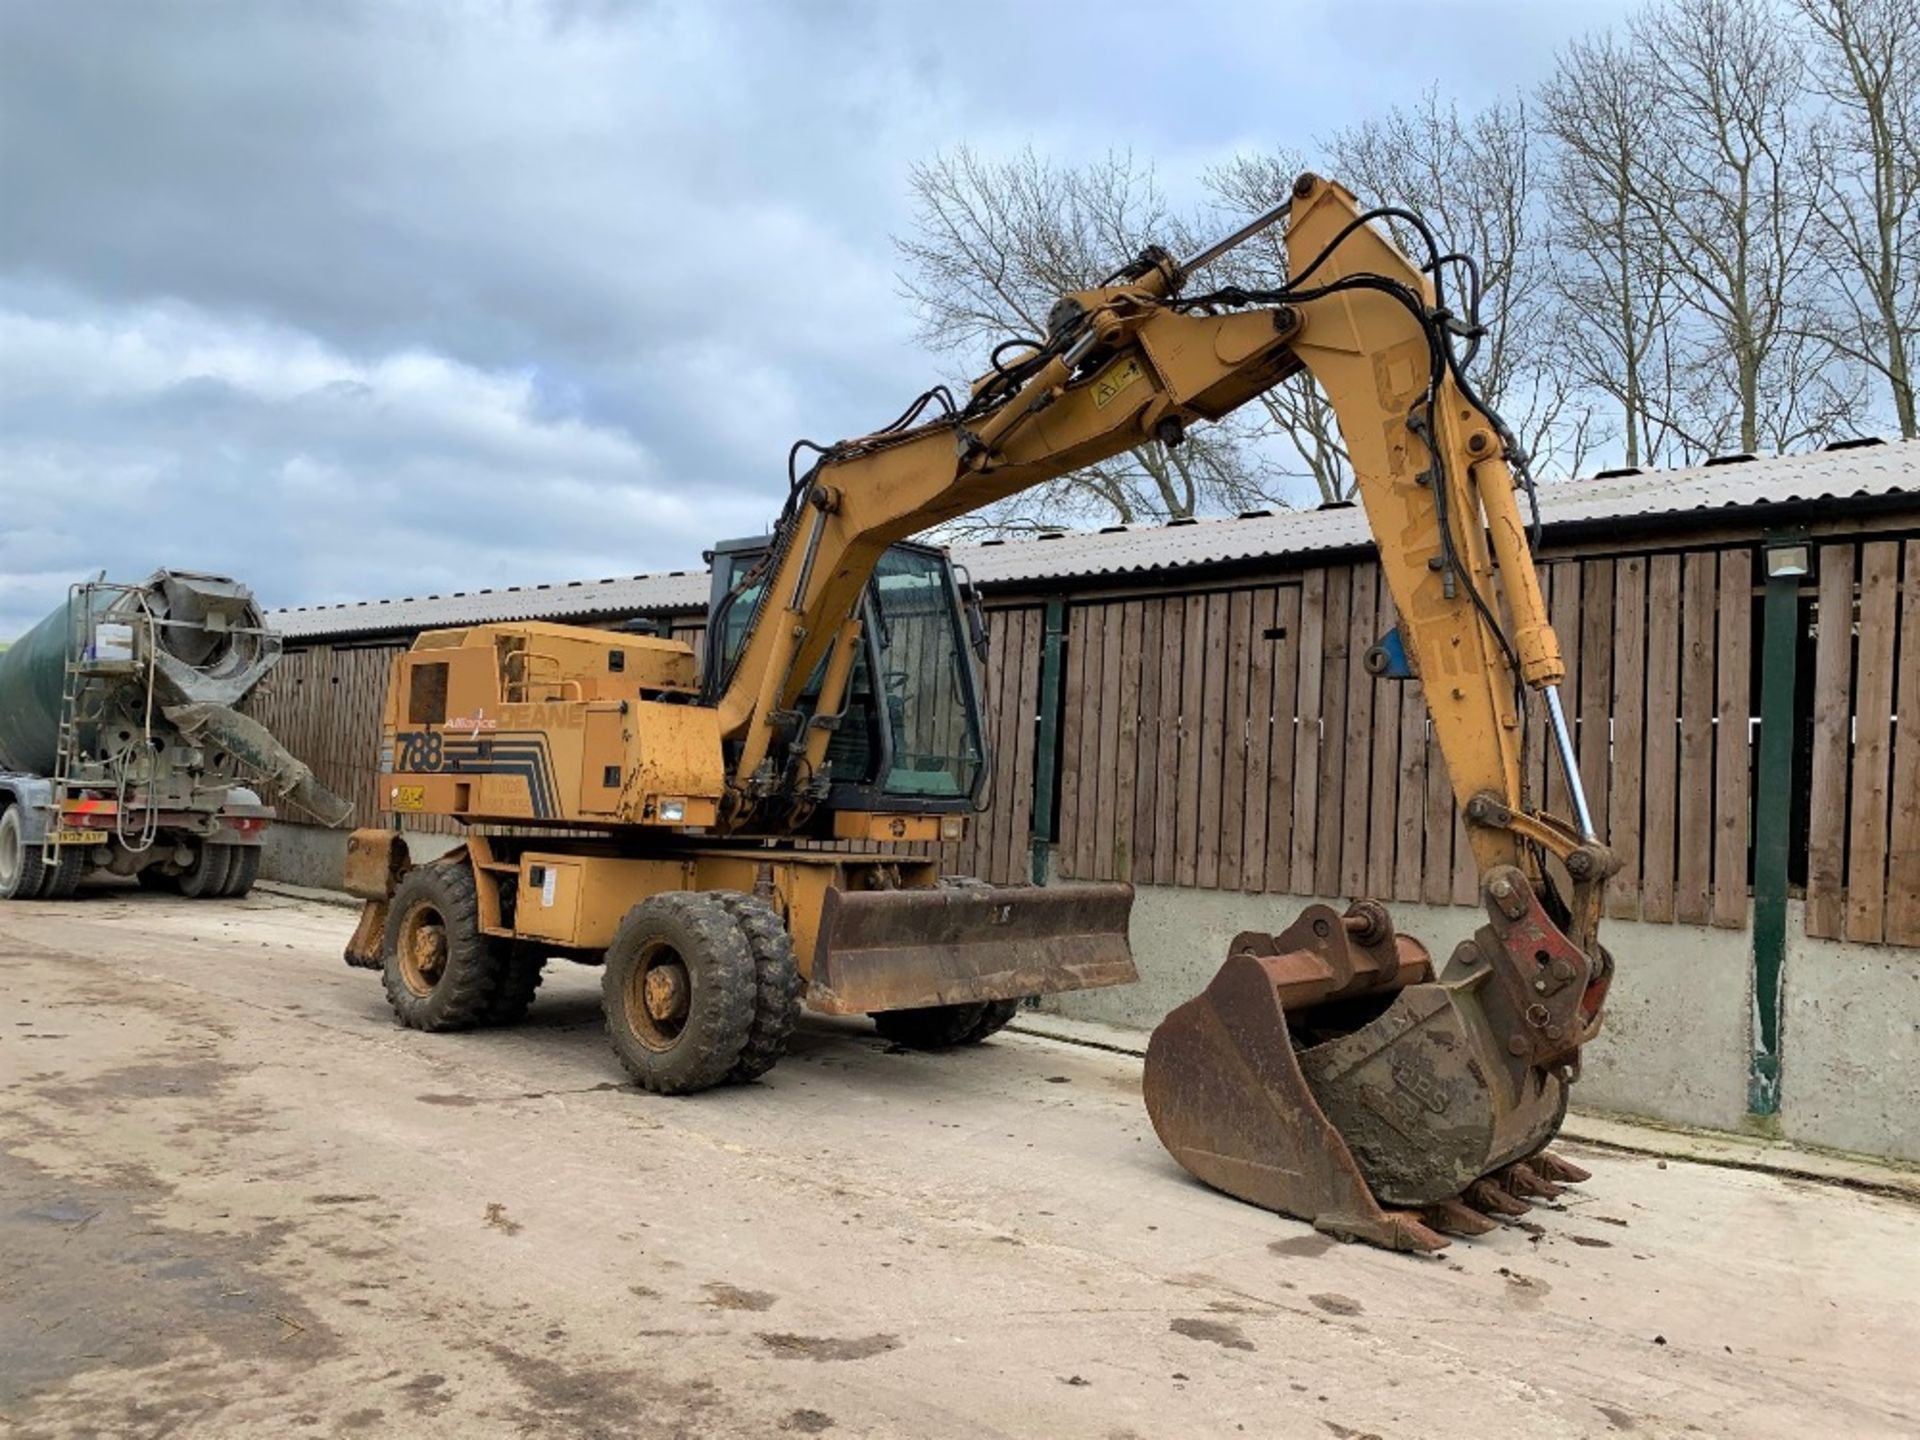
(1569, 762)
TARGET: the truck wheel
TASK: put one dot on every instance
(522, 967)
(22, 873)
(63, 877)
(776, 984)
(932, 1027)
(207, 876)
(243, 872)
(678, 992)
(440, 972)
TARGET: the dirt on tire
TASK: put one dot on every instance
(776, 986)
(459, 986)
(689, 941)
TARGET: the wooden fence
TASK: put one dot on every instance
(1231, 738)
(1863, 829)
(1234, 740)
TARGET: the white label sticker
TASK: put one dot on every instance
(546, 888)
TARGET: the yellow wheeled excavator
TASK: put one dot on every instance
(631, 805)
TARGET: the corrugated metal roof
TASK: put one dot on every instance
(576, 600)
(1736, 484)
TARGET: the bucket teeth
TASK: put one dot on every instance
(1456, 1217)
(1490, 1199)
(1413, 1230)
(1520, 1179)
(1553, 1167)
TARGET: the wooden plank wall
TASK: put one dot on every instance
(323, 704)
(1863, 843)
(1236, 741)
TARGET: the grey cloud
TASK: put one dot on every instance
(423, 297)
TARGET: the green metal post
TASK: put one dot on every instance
(1772, 819)
(1046, 753)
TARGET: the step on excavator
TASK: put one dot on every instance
(633, 805)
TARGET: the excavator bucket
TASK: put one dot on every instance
(1326, 1073)
(902, 949)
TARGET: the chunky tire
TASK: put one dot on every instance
(23, 875)
(158, 882)
(243, 872)
(994, 1017)
(522, 967)
(931, 1027)
(776, 985)
(678, 992)
(206, 878)
(439, 971)
(63, 877)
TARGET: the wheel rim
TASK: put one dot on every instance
(9, 849)
(422, 951)
(658, 997)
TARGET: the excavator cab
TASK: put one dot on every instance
(909, 737)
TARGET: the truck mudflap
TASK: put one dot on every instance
(904, 949)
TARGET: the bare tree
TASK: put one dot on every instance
(1298, 432)
(1724, 179)
(1611, 275)
(1474, 178)
(994, 244)
(1865, 62)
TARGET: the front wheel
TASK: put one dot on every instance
(678, 991)
(440, 972)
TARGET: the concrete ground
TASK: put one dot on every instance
(236, 1200)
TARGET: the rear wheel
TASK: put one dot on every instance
(678, 992)
(522, 967)
(776, 985)
(931, 1027)
(243, 872)
(206, 877)
(995, 1015)
(22, 872)
(439, 971)
(941, 1027)
(63, 876)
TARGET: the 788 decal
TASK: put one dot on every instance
(421, 752)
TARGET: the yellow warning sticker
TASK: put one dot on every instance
(1116, 379)
(409, 797)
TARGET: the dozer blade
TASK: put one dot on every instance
(1326, 1075)
(902, 949)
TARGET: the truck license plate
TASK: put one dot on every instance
(80, 837)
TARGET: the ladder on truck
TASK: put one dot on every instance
(83, 660)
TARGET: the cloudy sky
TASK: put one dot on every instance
(358, 298)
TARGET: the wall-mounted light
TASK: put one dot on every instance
(1789, 562)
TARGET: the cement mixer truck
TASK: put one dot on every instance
(121, 751)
